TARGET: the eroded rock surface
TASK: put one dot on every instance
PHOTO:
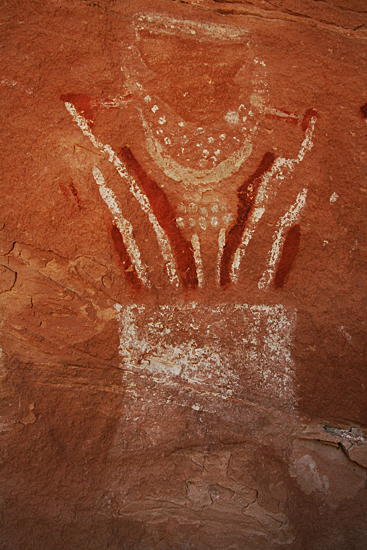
(183, 257)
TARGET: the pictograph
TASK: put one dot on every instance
(195, 157)
(200, 143)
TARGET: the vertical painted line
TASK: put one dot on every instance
(108, 152)
(288, 219)
(221, 243)
(248, 198)
(279, 170)
(198, 260)
(162, 209)
(123, 225)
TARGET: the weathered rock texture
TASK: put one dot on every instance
(183, 275)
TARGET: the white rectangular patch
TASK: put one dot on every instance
(227, 351)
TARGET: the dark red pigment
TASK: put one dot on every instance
(82, 104)
(289, 254)
(246, 195)
(76, 195)
(165, 215)
(306, 119)
(65, 191)
(364, 110)
(128, 268)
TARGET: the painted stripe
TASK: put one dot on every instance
(166, 216)
(248, 194)
(269, 186)
(134, 189)
(123, 225)
(221, 244)
(198, 259)
(286, 221)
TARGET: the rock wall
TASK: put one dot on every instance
(183, 287)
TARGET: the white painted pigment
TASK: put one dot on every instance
(216, 350)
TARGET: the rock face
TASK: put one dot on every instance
(183, 285)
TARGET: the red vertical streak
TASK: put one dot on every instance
(165, 215)
(128, 268)
(246, 195)
(76, 195)
(289, 253)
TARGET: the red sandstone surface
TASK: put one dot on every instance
(183, 275)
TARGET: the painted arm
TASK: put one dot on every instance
(254, 196)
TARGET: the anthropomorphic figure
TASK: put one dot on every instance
(198, 97)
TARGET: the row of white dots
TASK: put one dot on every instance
(192, 208)
(203, 222)
(162, 120)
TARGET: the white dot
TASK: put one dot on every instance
(192, 208)
(214, 208)
(211, 139)
(202, 223)
(180, 222)
(232, 117)
(217, 152)
(167, 141)
(162, 120)
(147, 99)
(200, 130)
(155, 108)
(181, 124)
(206, 153)
(214, 221)
(222, 136)
(227, 218)
(334, 197)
